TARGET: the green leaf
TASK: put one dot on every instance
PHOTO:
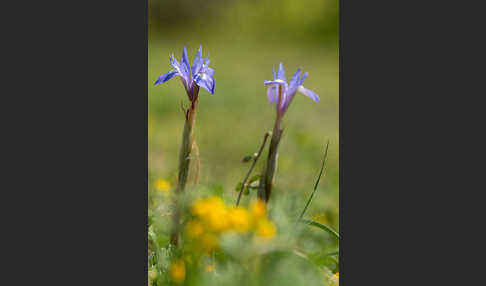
(253, 179)
(333, 253)
(323, 227)
(238, 187)
(247, 158)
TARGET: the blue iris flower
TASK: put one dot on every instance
(288, 90)
(193, 77)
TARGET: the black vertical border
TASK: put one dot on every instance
(75, 151)
(411, 155)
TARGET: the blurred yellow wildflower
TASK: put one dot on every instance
(194, 228)
(266, 229)
(334, 280)
(258, 209)
(203, 207)
(178, 271)
(213, 212)
(162, 185)
(239, 219)
(212, 217)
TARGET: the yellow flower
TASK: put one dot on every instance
(162, 185)
(200, 207)
(266, 229)
(209, 268)
(258, 209)
(178, 271)
(240, 219)
(209, 242)
(213, 213)
(333, 280)
(194, 228)
(204, 206)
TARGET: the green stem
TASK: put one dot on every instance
(255, 159)
(266, 182)
(184, 165)
(186, 149)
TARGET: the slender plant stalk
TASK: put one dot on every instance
(186, 148)
(317, 182)
(185, 159)
(266, 181)
(195, 165)
(255, 159)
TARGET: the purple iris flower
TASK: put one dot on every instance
(193, 77)
(288, 90)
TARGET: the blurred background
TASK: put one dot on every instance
(245, 39)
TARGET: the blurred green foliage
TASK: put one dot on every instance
(304, 20)
(297, 254)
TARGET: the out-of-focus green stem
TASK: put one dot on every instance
(266, 181)
(255, 159)
(184, 165)
(267, 178)
(186, 149)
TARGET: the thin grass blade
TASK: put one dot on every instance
(323, 227)
(316, 184)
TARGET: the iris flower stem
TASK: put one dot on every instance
(255, 159)
(266, 181)
(186, 148)
(185, 160)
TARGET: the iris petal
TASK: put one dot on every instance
(177, 67)
(185, 64)
(294, 82)
(304, 76)
(205, 81)
(165, 77)
(272, 94)
(270, 82)
(197, 64)
(281, 72)
(308, 93)
(207, 70)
